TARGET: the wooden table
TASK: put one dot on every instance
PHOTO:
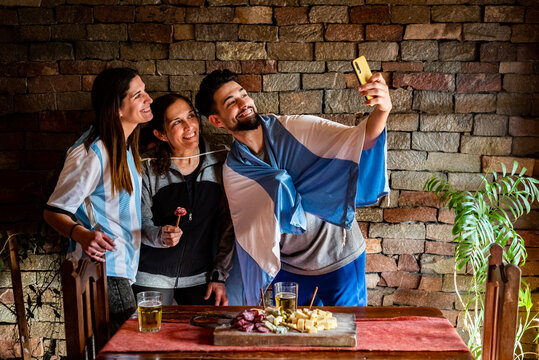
(186, 312)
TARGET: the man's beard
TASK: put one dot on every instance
(249, 123)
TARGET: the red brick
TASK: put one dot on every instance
(430, 283)
(35, 102)
(370, 14)
(6, 296)
(531, 237)
(351, 80)
(532, 15)
(504, 14)
(402, 66)
(425, 81)
(494, 163)
(410, 14)
(8, 17)
(251, 82)
(344, 32)
(456, 13)
(439, 248)
(478, 83)
(150, 33)
(37, 68)
(61, 121)
(379, 263)
(530, 268)
(418, 198)
(409, 214)
(210, 15)
(31, 16)
(55, 83)
(446, 216)
(451, 315)
(373, 246)
(407, 262)
(433, 31)
(528, 221)
(498, 51)
(12, 349)
(110, 14)
(401, 279)
(423, 298)
(364, 227)
(291, 15)
(12, 85)
(161, 14)
(523, 126)
(527, 52)
(478, 67)
(533, 254)
(234, 66)
(184, 32)
(74, 14)
(259, 67)
(525, 33)
(82, 66)
(516, 68)
(516, 83)
(383, 32)
(88, 82)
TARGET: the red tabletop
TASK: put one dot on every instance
(176, 318)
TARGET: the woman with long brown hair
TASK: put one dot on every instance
(190, 261)
(96, 202)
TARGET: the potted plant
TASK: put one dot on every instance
(482, 218)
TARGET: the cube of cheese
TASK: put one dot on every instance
(301, 324)
(311, 329)
(309, 323)
(332, 322)
(300, 315)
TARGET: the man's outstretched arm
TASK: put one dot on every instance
(376, 122)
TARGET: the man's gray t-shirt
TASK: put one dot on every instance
(323, 248)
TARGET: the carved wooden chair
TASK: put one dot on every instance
(501, 307)
(86, 308)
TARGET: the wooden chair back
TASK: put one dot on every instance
(86, 307)
(501, 307)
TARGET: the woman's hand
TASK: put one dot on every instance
(377, 88)
(170, 235)
(93, 243)
(220, 293)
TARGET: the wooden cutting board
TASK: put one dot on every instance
(344, 335)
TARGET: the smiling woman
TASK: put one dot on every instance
(96, 201)
(190, 261)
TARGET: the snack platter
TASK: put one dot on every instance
(240, 333)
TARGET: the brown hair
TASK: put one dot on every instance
(163, 152)
(108, 91)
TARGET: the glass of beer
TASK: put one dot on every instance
(286, 295)
(150, 309)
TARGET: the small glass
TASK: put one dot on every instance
(150, 310)
(286, 295)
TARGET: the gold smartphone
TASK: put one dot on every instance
(362, 70)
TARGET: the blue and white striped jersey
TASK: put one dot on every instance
(84, 190)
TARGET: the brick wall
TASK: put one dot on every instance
(463, 77)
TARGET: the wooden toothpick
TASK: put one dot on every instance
(314, 295)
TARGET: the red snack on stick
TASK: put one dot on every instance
(179, 212)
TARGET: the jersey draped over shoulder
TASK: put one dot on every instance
(315, 166)
(84, 192)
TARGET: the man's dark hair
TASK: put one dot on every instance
(209, 85)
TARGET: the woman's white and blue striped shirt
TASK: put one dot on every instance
(84, 190)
